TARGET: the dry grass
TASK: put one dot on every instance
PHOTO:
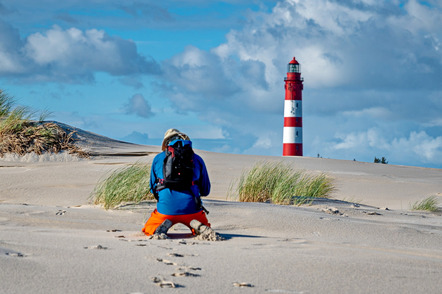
(20, 135)
(38, 138)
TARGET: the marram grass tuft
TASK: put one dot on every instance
(128, 184)
(278, 183)
(428, 204)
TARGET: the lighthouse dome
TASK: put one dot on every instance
(294, 61)
(294, 66)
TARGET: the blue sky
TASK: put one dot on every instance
(215, 70)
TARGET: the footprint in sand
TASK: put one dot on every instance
(164, 284)
(99, 247)
(372, 213)
(182, 242)
(175, 254)
(15, 254)
(167, 262)
(11, 253)
(172, 254)
(331, 210)
(60, 212)
(185, 274)
(189, 268)
(182, 271)
(242, 285)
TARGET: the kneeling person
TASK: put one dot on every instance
(178, 179)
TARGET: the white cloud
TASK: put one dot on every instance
(9, 54)
(361, 140)
(415, 148)
(332, 16)
(372, 112)
(435, 122)
(139, 106)
(70, 55)
(137, 138)
(419, 18)
(420, 145)
(199, 73)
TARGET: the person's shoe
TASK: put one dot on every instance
(164, 227)
(204, 232)
(199, 227)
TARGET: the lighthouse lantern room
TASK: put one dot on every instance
(292, 136)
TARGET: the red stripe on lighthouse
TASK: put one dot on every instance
(292, 121)
(291, 149)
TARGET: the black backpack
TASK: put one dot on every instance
(178, 166)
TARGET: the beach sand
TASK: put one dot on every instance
(53, 240)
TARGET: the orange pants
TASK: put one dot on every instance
(156, 219)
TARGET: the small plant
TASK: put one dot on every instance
(383, 160)
(128, 184)
(278, 183)
(428, 204)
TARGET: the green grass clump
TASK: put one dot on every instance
(278, 183)
(128, 184)
(6, 103)
(15, 121)
(428, 204)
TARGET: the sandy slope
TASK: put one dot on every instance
(53, 241)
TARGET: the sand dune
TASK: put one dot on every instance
(52, 240)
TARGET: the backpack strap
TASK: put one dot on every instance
(160, 184)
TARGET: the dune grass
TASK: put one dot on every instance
(278, 183)
(428, 204)
(19, 134)
(6, 104)
(128, 184)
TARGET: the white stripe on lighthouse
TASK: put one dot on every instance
(293, 108)
(292, 135)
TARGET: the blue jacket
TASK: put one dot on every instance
(172, 202)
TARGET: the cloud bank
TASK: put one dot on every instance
(69, 55)
(372, 79)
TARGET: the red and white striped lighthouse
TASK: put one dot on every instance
(292, 137)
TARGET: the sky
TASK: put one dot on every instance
(215, 70)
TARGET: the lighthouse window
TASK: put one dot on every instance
(293, 67)
(296, 133)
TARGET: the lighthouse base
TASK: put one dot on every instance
(292, 149)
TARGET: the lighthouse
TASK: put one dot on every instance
(292, 136)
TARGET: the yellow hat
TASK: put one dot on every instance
(170, 134)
